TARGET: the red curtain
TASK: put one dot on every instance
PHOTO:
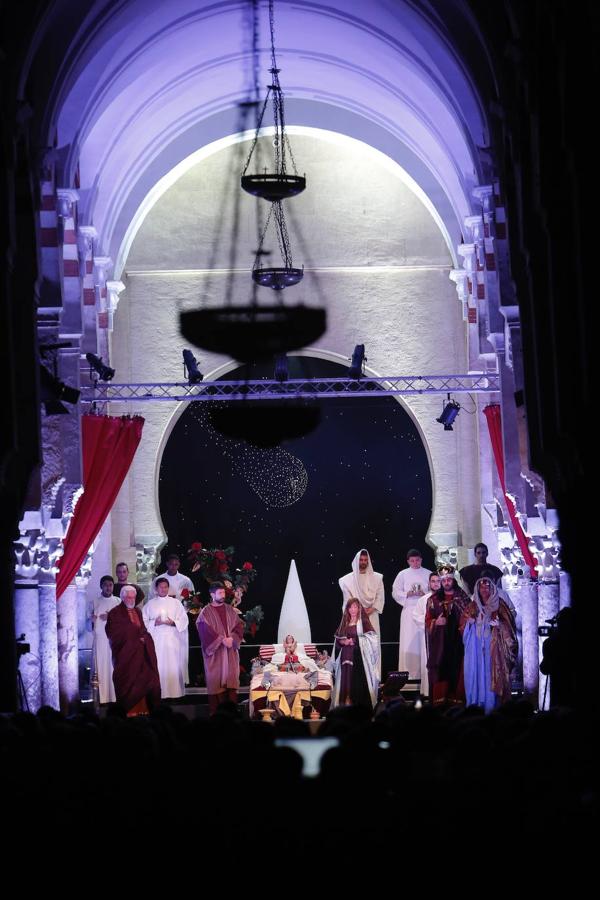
(108, 446)
(494, 421)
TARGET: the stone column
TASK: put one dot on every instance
(517, 674)
(471, 307)
(34, 557)
(68, 649)
(27, 623)
(86, 238)
(459, 277)
(529, 624)
(85, 635)
(548, 607)
(102, 267)
(49, 644)
(565, 589)
(113, 289)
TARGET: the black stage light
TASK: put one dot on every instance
(105, 373)
(194, 375)
(52, 391)
(449, 414)
(358, 361)
(281, 368)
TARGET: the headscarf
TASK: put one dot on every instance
(486, 609)
(369, 573)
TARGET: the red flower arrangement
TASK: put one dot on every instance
(216, 565)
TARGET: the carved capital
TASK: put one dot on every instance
(66, 198)
(484, 194)
(474, 225)
(467, 251)
(146, 552)
(102, 267)
(459, 277)
(37, 553)
(113, 289)
(86, 238)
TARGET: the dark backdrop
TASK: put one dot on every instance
(367, 484)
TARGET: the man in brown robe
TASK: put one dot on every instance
(221, 632)
(135, 672)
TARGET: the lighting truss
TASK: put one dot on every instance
(294, 389)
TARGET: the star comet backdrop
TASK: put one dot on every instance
(360, 479)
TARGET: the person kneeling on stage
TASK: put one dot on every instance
(358, 658)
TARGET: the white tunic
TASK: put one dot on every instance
(409, 656)
(102, 651)
(167, 641)
(419, 613)
(367, 587)
(178, 583)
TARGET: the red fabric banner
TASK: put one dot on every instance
(494, 421)
(108, 446)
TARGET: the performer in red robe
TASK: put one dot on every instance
(135, 669)
(221, 632)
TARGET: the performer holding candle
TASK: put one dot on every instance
(409, 585)
(166, 620)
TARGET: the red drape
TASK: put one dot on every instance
(108, 446)
(494, 421)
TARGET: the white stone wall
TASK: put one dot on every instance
(382, 269)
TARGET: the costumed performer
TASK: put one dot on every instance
(444, 640)
(221, 632)
(357, 664)
(409, 585)
(166, 620)
(490, 641)
(366, 586)
(419, 613)
(177, 584)
(135, 669)
(102, 652)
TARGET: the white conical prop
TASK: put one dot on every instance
(293, 618)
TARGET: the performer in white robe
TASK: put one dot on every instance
(367, 586)
(435, 582)
(166, 620)
(410, 584)
(102, 652)
(177, 583)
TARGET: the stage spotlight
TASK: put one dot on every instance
(449, 414)
(281, 368)
(52, 391)
(358, 361)
(105, 373)
(194, 375)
